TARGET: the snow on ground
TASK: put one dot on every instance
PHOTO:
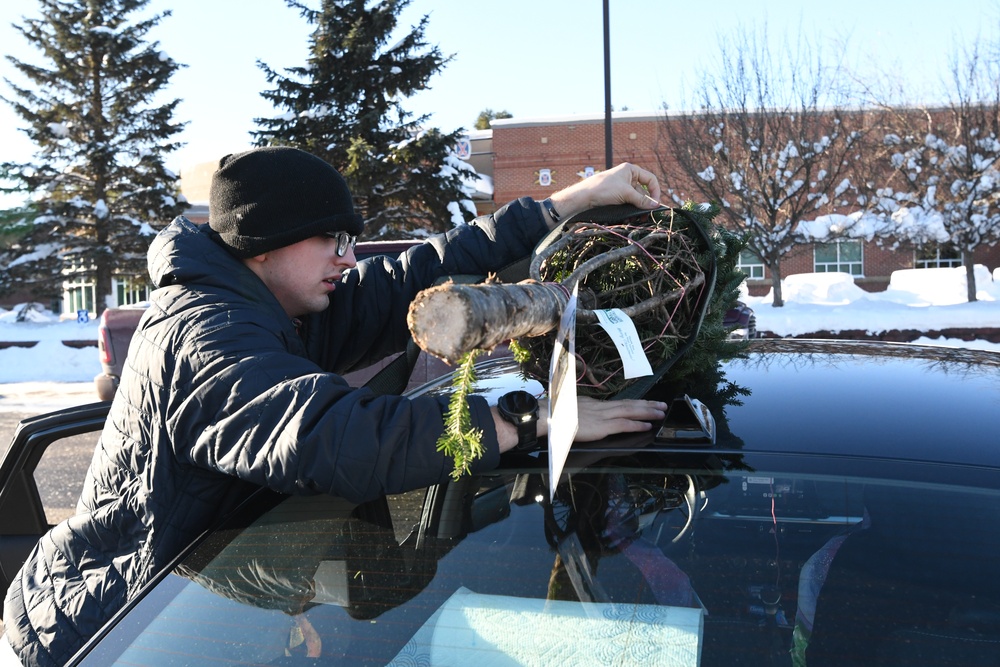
(51, 375)
(917, 299)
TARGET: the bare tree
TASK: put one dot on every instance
(773, 144)
(945, 186)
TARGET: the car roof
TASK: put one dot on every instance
(365, 249)
(874, 403)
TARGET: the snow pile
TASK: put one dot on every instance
(48, 361)
(916, 299)
(939, 287)
(33, 322)
(829, 289)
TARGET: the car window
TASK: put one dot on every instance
(60, 474)
(628, 564)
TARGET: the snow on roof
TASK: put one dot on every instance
(578, 118)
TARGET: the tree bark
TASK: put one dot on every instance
(452, 319)
(970, 275)
(778, 298)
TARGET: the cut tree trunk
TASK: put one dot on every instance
(451, 319)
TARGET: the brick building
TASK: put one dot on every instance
(536, 157)
(566, 147)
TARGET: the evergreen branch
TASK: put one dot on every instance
(521, 354)
(459, 440)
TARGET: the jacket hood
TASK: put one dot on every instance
(185, 253)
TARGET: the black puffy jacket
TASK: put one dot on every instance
(221, 394)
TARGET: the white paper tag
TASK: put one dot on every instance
(563, 416)
(622, 330)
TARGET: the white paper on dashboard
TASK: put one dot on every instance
(621, 329)
(563, 417)
(500, 631)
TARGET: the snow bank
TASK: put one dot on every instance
(832, 289)
(938, 287)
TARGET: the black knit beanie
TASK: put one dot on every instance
(269, 198)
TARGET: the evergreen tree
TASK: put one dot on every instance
(345, 105)
(15, 222)
(99, 185)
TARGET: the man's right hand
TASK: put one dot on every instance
(624, 184)
(597, 419)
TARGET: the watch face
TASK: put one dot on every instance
(518, 403)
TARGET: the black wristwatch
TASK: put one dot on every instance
(521, 409)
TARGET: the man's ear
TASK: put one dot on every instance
(256, 264)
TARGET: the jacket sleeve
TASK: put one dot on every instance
(274, 419)
(366, 320)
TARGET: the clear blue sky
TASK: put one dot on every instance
(529, 57)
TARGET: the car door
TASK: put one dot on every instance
(41, 476)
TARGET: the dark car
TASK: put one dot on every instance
(741, 322)
(813, 502)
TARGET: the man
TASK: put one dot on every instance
(231, 384)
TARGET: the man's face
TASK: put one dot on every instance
(303, 275)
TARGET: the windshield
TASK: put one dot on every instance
(629, 563)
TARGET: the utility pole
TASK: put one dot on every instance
(608, 153)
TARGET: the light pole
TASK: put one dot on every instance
(607, 89)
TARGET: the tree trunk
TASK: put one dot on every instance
(450, 320)
(970, 275)
(103, 277)
(779, 299)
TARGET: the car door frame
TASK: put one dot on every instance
(22, 515)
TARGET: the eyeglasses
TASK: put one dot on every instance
(344, 241)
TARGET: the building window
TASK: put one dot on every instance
(842, 256)
(79, 295)
(750, 264)
(78, 288)
(131, 289)
(937, 257)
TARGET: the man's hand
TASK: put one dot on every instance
(624, 184)
(597, 419)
